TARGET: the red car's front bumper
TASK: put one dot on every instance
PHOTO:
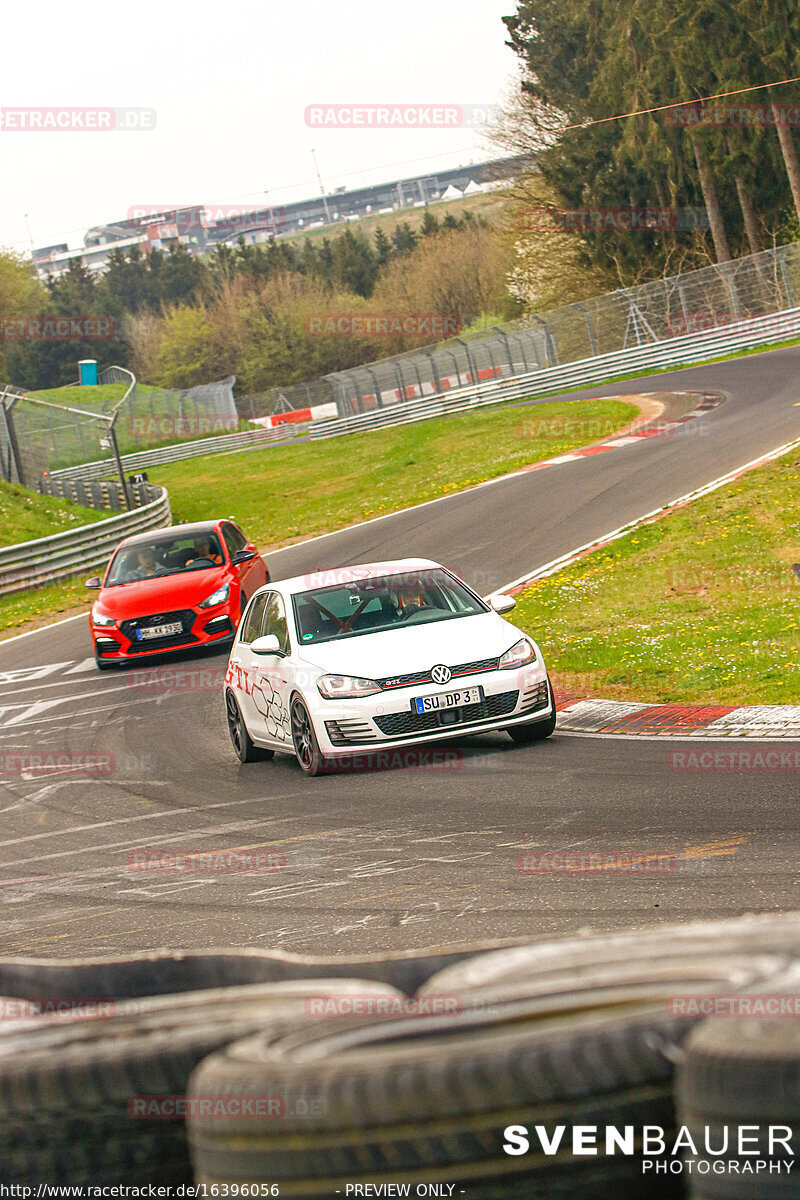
(126, 640)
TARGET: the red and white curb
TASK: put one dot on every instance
(678, 720)
(710, 400)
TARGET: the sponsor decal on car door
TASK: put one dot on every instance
(271, 687)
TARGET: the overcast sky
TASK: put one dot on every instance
(230, 85)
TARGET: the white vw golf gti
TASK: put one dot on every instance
(362, 659)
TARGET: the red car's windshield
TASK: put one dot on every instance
(164, 556)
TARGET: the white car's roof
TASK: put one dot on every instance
(331, 576)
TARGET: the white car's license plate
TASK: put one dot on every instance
(155, 631)
(423, 704)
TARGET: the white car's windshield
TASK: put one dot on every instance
(164, 556)
(381, 603)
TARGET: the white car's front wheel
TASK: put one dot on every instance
(535, 731)
(304, 740)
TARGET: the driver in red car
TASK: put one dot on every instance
(204, 549)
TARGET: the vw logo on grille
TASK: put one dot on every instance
(441, 674)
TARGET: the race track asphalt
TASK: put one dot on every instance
(396, 858)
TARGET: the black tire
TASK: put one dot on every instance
(304, 740)
(244, 747)
(87, 1101)
(742, 1071)
(196, 970)
(410, 1101)
(535, 731)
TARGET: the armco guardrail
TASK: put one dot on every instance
(711, 343)
(63, 555)
(218, 444)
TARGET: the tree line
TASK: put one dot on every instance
(585, 60)
(181, 319)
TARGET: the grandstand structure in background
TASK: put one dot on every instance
(200, 228)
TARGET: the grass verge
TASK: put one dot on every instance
(315, 487)
(287, 492)
(25, 515)
(701, 606)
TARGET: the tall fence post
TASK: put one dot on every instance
(13, 444)
(112, 434)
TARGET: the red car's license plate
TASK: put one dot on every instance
(155, 631)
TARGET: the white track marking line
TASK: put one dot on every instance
(166, 812)
(58, 683)
(88, 664)
(30, 674)
(567, 559)
(39, 706)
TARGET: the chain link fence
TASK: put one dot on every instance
(40, 436)
(672, 307)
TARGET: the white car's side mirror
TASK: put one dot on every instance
(268, 644)
(501, 603)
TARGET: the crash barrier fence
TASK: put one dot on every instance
(98, 493)
(249, 439)
(578, 343)
(64, 555)
(714, 343)
(39, 436)
(711, 344)
(676, 307)
(706, 314)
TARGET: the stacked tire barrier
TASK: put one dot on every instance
(472, 1069)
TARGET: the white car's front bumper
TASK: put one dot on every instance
(386, 720)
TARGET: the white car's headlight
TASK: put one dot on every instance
(334, 687)
(101, 618)
(217, 597)
(520, 653)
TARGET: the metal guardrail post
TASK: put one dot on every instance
(590, 328)
(549, 340)
(112, 433)
(787, 283)
(470, 360)
(13, 444)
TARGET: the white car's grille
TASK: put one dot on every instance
(472, 668)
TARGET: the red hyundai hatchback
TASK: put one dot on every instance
(171, 589)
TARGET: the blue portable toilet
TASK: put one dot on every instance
(88, 372)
